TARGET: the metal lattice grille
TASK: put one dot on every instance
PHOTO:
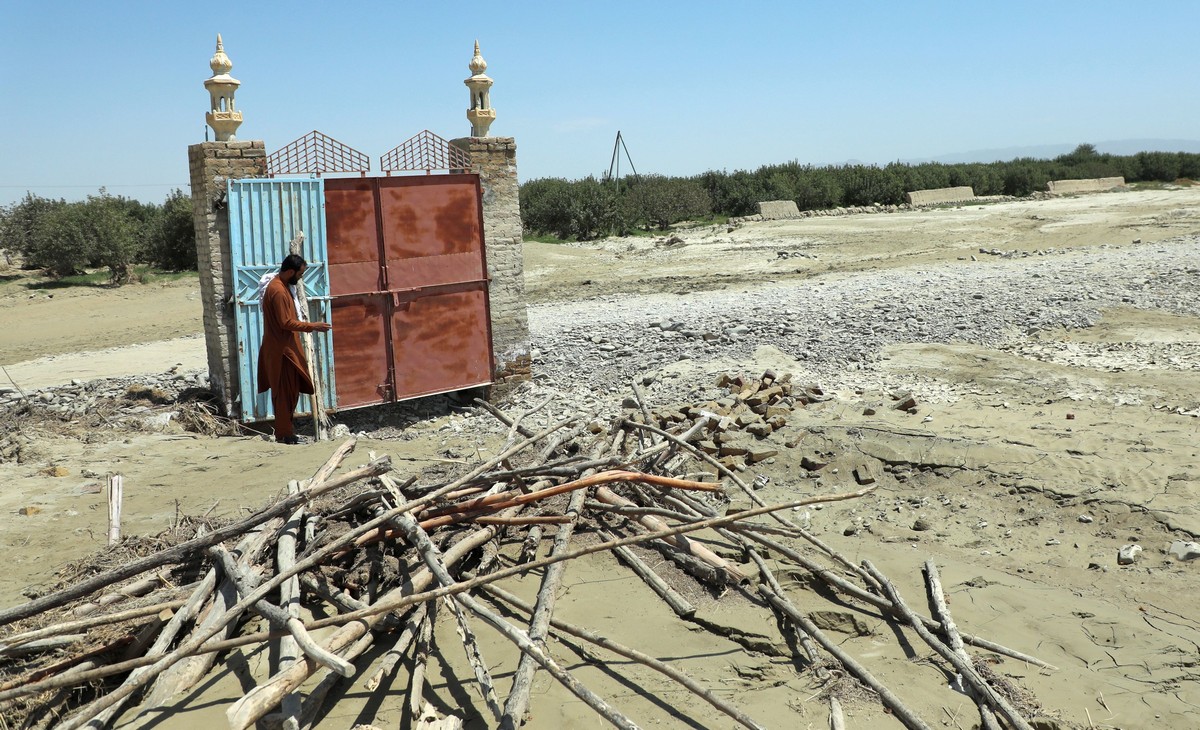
(425, 151)
(317, 153)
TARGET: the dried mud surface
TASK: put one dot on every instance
(1059, 424)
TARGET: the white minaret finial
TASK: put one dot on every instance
(223, 117)
(480, 113)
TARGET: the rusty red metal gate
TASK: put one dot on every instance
(408, 287)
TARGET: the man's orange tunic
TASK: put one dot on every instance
(282, 368)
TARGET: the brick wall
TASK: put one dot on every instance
(1092, 185)
(212, 164)
(940, 195)
(494, 159)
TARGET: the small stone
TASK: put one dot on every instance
(850, 531)
(1128, 554)
(921, 525)
(1182, 550)
(1052, 541)
(868, 411)
(906, 403)
(756, 454)
(863, 474)
(810, 465)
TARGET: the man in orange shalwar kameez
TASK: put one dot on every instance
(282, 368)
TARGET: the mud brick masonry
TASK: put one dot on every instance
(494, 159)
(212, 165)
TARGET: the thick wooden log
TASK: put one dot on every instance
(116, 489)
(985, 692)
(185, 550)
(433, 559)
(320, 418)
(833, 580)
(416, 687)
(67, 627)
(278, 617)
(650, 522)
(418, 538)
(189, 670)
(136, 589)
(941, 612)
(137, 677)
(289, 600)
(262, 699)
(806, 641)
(412, 628)
(633, 654)
(517, 703)
(400, 598)
(900, 711)
(677, 602)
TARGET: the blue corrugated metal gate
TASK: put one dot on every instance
(264, 217)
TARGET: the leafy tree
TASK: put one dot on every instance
(592, 209)
(112, 234)
(661, 201)
(1161, 166)
(171, 239)
(59, 241)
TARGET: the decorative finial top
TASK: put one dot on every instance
(478, 65)
(220, 63)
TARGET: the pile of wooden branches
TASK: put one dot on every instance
(378, 555)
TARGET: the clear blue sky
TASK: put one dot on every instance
(110, 93)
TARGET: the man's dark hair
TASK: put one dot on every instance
(293, 262)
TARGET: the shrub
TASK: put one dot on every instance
(171, 240)
(662, 201)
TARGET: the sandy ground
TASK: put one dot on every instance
(1002, 477)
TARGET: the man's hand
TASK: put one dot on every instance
(321, 326)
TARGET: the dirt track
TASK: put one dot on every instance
(1019, 434)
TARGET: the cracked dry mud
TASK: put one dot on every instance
(1053, 361)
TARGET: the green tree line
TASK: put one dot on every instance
(101, 232)
(593, 208)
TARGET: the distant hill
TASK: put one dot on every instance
(1049, 151)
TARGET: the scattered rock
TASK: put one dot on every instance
(863, 474)
(810, 465)
(922, 525)
(1181, 550)
(1128, 554)
(1085, 519)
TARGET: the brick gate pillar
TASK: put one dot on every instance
(494, 159)
(212, 165)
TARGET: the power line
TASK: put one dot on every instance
(132, 185)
